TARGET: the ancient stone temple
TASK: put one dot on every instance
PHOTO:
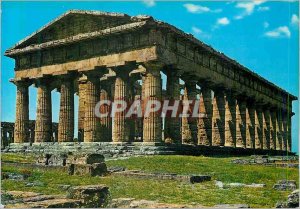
(100, 55)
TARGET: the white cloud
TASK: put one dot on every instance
(193, 8)
(149, 3)
(248, 8)
(223, 21)
(279, 32)
(295, 20)
(197, 31)
(266, 24)
(261, 9)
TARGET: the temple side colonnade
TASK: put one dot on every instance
(111, 56)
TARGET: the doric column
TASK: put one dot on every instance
(205, 120)
(66, 114)
(81, 94)
(152, 88)
(4, 136)
(230, 119)
(172, 124)
(273, 131)
(266, 128)
(43, 123)
(241, 119)
(92, 95)
(279, 130)
(189, 124)
(284, 130)
(250, 126)
(218, 118)
(289, 132)
(105, 122)
(22, 113)
(259, 133)
(121, 124)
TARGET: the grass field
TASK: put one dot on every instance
(168, 191)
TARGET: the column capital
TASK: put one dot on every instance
(21, 83)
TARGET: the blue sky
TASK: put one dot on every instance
(262, 36)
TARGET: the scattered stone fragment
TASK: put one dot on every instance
(116, 169)
(91, 196)
(232, 206)
(292, 201)
(219, 184)
(164, 176)
(85, 159)
(14, 176)
(96, 169)
(285, 185)
(34, 184)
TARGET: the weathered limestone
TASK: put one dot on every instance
(250, 125)
(81, 93)
(105, 122)
(22, 113)
(230, 119)
(152, 87)
(92, 95)
(189, 124)
(273, 129)
(205, 120)
(259, 133)
(43, 124)
(122, 48)
(284, 131)
(218, 118)
(289, 132)
(172, 124)
(241, 118)
(66, 114)
(279, 130)
(121, 124)
(266, 129)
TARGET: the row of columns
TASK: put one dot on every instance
(226, 119)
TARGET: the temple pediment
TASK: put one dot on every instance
(72, 23)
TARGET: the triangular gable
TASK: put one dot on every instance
(71, 23)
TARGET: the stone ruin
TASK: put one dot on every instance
(79, 164)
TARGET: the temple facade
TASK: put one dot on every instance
(109, 56)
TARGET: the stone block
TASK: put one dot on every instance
(92, 196)
(285, 185)
(96, 169)
(85, 159)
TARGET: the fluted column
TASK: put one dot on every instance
(22, 113)
(273, 131)
(121, 124)
(152, 88)
(266, 128)
(218, 118)
(289, 132)
(279, 130)
(43, 124)
(250, 126)
(66, 114)
(241, 118)
(205, 120)
(230, 120)
(105, 122)
(284, 130)
(172, 124)
(189, 124)
(81, 94)
(92, 96)
(259, 133)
